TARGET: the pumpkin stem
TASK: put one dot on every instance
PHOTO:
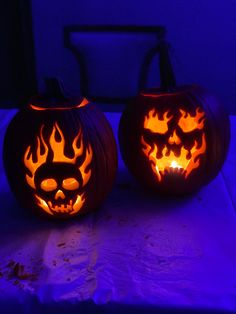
(54, 88)
(167, 76)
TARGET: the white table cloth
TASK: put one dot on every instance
(138, 252)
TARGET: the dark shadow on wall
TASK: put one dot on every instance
(17, 66)
(120, 40)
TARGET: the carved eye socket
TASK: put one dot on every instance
(188, 122)
(48, 185)
(70, 184)
(157, 123)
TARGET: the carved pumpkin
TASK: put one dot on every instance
(60, 156)
(174, 139)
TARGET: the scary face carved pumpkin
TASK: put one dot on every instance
(172, 152)
(57, 184)
(60, 156)
(174, 142)
(174, 139)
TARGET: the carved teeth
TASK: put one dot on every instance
(72, 207)
(64, 208)
(172, 170)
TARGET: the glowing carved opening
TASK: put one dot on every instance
(155, 123)
(169, 162)
(172, 160)
(48, 185)
(70, 184)
(34, 158)
(83, 103)
(188, 122)
(174, 139)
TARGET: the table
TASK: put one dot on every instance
(138, 253)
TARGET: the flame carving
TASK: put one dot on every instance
(184, 163)
(155, 123)
(58, 149)
(188, 122)
(178, 159)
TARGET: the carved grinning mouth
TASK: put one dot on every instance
(170, 162)
(70, 208)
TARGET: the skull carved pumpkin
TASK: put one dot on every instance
(60, 156)
(58, 182)
(174, 139)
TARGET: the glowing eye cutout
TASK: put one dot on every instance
(188, 122)
(70, 184)
(48, 185)
(155, 123)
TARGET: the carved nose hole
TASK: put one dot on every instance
(174, 139)
(60, 194)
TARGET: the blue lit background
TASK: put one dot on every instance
(191, 247)
(202, 34)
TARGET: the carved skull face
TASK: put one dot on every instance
(57, 179)
(174, 141)
(58, 188)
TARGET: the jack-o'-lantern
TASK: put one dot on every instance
(171, 154)
(60, 156)
(174, 139)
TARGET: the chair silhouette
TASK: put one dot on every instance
(113, 60)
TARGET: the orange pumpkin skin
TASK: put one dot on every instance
(174, 141)
(60, 160)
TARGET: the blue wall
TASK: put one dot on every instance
(202, 33)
